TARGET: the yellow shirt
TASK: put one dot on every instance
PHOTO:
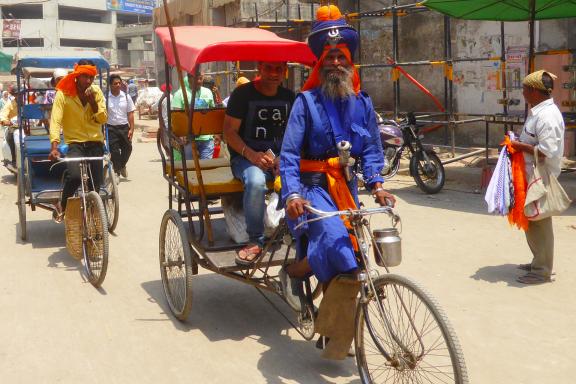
(9, 111)
(77, 122)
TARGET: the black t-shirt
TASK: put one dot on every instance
(263, 117)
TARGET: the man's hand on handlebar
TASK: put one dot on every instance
(384, 198)
(54, 154)
(296, 207)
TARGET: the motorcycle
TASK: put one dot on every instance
(425, 166)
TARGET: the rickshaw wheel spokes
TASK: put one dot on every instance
(96, 242)
(176, 264)
(20, 179)
(413, 343)
(111, 203)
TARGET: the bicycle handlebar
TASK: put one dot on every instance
(348, 212)
(75, 159)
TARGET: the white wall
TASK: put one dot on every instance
(89, 4)
(85, 31)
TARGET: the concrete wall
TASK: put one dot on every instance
(477, 85)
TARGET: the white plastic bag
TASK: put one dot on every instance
(273, 216)
(6, 154)
(234, 217)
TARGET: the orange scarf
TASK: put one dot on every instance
(314, 78)
(337, 187)
(68, 84)
(516, 215)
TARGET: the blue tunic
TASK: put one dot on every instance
(329, 248)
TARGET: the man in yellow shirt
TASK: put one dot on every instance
(8, 112)
(79, 110)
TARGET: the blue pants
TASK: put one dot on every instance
(254, 180)
(205, 149)
(326, 242)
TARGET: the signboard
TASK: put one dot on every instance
(11, 28)
(143, 7)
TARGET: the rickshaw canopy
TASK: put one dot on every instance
(59, 60)
(202, 44)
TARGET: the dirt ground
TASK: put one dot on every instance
(56, 328)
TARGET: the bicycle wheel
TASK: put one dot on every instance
(22, 204)
(95, 239)
(176, 264)
(112, 201)
(412, 343)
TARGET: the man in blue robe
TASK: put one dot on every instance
(330, 110)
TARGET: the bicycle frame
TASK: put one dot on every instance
(360, 226)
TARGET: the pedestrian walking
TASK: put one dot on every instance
(132, 91)
(120, 125)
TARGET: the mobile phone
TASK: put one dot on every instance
(270, 153)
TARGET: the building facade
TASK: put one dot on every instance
(121, 31)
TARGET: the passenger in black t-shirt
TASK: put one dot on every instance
(255, 121)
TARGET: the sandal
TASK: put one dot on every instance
(247, 255)
(525, 267)
(57, 213)
(532, 279)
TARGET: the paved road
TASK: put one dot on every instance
(56, 328)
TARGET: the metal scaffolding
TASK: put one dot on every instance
(450, 119)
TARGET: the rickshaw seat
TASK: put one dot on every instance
(204, 121)
(37, 145)
(217, 181)
(204, 164)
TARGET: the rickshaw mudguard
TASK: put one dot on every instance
(337, 314)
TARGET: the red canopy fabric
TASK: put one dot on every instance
(201, 44)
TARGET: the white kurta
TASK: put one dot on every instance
(544, 127)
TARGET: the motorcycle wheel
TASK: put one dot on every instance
(429, 176)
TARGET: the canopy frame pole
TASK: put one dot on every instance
(531, 25)
(190, 112)
(395, 54)
(504, 77)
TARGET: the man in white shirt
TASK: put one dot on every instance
(543, 130)
(120, 125)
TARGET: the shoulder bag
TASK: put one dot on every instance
(545, 196)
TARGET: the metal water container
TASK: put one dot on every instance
(389, 243)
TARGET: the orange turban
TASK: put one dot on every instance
(68, 84)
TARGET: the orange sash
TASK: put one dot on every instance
(337, 187)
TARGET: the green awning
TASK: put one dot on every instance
(505, 10)
(5, 62)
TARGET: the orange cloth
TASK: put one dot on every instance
(516, 215)
(68, 84)
(337, 187)
(314, 78)
(328, 12)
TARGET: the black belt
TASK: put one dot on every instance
(118, 126)
(314, 179)
(88, 144)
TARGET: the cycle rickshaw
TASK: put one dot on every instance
(400, 334)
(39, 180)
